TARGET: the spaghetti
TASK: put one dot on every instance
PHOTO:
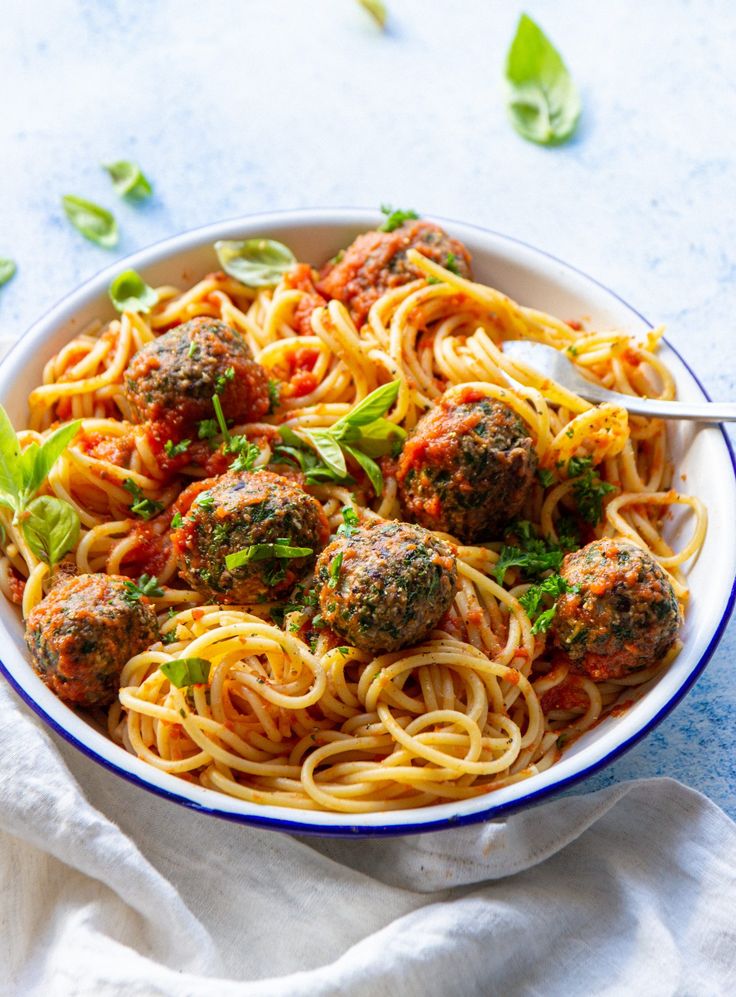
(289, 715)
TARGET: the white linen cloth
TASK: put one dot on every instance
(109, 890)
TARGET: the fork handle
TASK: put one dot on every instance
(698, 411)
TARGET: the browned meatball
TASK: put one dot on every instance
(173, 378)
(83, 633)
(623, 614)
(376, 262)
(386, 585)
(467, 467)
(238, 511)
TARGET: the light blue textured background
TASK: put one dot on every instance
(234, 106)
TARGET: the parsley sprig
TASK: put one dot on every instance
(247, 453)
(588, 490)
(142, 506)
(176, 449)
(147, 585)
(350, 522)
(531, 553)
(536, 601)
(395, 218)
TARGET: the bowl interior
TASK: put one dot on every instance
(700, 454)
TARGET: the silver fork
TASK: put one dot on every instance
(554, 364)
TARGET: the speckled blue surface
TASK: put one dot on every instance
(237, 106)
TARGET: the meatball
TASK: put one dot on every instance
(238, 510)
(173, 378)
(467, 467)
(83, 633)
(376, 262)
(385, 585)
(622, 615)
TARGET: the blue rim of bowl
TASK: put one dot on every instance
(394, 830)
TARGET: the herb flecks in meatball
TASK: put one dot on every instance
(238, 510)
(623, 615)
(376, 262)
(386, 585)
(467, 467)
(83, 633)
(173, 378)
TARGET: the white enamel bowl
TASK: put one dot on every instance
(701, 455)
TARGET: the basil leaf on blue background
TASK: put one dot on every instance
(255, 262)
(543, 101)
(128, 180)
(95, 223)
(377, 10)
(130, 293)
(7, 270)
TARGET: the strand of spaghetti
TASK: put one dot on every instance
(47, 394)
(613, 514)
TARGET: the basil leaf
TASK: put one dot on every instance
(130, 293)
(264, 552)
(255, 262)
(7, 270)
(329, 450)
(395, 218)
(36, 462)
(95, 223)
(376, 404)
(370, 467)
(288, 435)
(11, 479)
(380, 438)
(377, 10)
(186, 671)
(51, 528)
(543, 102)
(128, 179)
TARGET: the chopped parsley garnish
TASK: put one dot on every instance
(545, 477)
(146, 585)
(192, 351)
(334, 570)
(247, 453)
(206, 429)
(533, 554)
(350, 523)
(186, 671)
(533, 600)
(169, 638)
(175, 449)
(205, 500)
(177, 521)
(588, 489)
(223, 379)
(451, 264)
(395, 219)
(143, 507)
(274, 395)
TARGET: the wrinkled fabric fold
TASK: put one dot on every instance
(107, 889)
